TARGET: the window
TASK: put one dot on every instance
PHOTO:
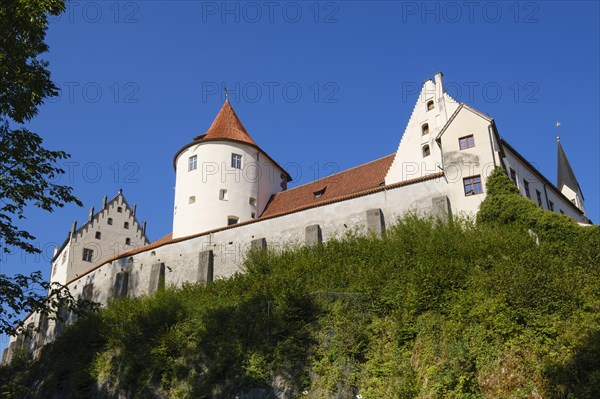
(562, 212)
(551, 205)
(425, 129)
(231, 220)
(252, 201)
(192, 163)
(539, 198)
(426, 151)
(223, 194)
(466, 142)
(109, 221)
(88, 254)
(98, 235)
(126, 225)
(153, 253)
(526, 185)
(253, 215)
(472, 185)
(128, 241)
(429, 105)
(119, 209)
(192, 199)
(318, 194)
(513, 175)
(236, 161)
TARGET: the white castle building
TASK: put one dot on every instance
(231, 196)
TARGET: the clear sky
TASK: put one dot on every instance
(320, 86)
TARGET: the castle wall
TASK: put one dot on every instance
(221, 254)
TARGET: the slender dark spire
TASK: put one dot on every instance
(565, 174)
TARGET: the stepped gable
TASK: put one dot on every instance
(351, 181)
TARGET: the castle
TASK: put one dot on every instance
(231, 196)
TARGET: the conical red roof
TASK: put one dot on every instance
(227, 126)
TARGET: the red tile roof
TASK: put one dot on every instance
(351, 181)
(227, 126)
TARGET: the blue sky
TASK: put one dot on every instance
(315, 83)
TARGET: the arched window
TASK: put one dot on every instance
(429, 105)
(426, 151)
(425, 128)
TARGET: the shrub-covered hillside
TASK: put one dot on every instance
(457, 309)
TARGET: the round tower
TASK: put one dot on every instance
(222, 178)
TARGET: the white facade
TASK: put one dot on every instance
(210, 190)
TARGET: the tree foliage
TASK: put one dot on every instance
(28, 171)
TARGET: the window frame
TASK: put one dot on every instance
(87, 255)
(473, 182)
(526, 188)
(236, 160)
(468, 143)
(425, 148)
(192, 163)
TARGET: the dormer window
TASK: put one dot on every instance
(192, 163)
(425, 128)
(318, 194)
(430, 105)
(426, 151)
(236, 161)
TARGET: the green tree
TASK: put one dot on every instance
(27, 169)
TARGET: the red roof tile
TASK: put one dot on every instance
(354, 180)
(227, 126)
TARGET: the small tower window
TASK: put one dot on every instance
(192, 199)
(192, 163)
(126, 225)
(88, 254)
(109, 221)
(429, 105)
(128, 241)
(426, 151)
(236, 161)
(223, 194)
(252, 201)
(231, 220)
(98, 235)
(425, 128)
(119, 209)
